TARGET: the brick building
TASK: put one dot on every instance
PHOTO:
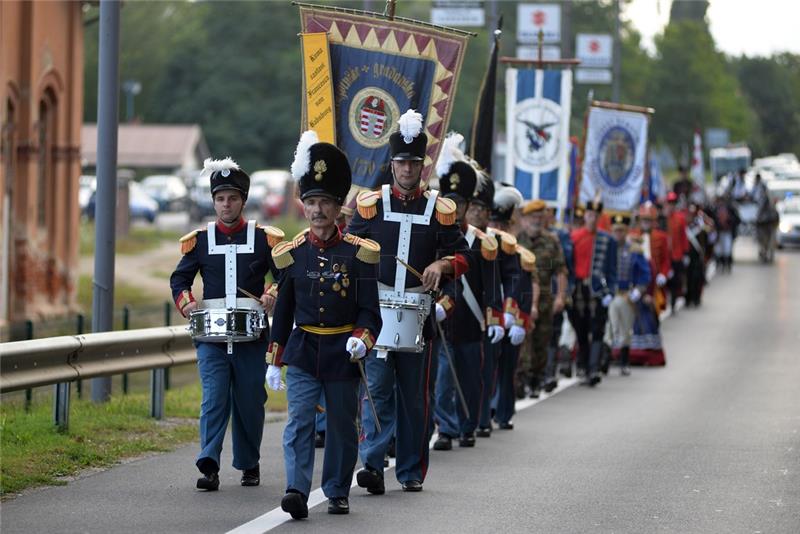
(41, 105)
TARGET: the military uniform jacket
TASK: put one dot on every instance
(462, 325)
(603, 261)
(512, 280)
(329, 290)
(549, 260)
(251, 268)
(566, 248)
(633, 269)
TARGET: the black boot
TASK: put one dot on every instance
(251, 477)
(295, 504)
(210, 479)
(592, 374)
(535, 387)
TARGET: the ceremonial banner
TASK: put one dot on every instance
(654, 189)
(380, 69)
(318, 87)
(697, 172)
(614, 158)
(537, 129)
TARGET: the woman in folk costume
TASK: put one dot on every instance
(646, 347)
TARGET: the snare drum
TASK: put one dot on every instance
(218, 325)
(403, 320)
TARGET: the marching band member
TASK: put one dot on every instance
(472, 303)
(418, 228)
(328, 289)
(517, 272)
(232, 380)
(595, 278)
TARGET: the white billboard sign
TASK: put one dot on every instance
(549, 52)
(594, 49)
(534, 17)
(593, 76)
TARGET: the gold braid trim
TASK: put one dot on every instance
(282, 252)
(274, 235)
(445, 211)
(189, 241)
(527, 258)
(369, 251)
(488, 244)
(366, 203)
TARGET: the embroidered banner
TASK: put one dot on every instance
(318, 87)
(614, 161)
(380, 69)
(537, 127)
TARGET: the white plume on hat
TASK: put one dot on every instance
(451, 152)
(302, 156)
(212, 165)
(410, 125)
(483, 180)
(506, 197)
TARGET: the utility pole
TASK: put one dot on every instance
(107, 129)
(616, 81)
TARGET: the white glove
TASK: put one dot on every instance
(606, 300)
(274, 381)
(661, 280)
(516, 334)
(635, 294)
(508, 319)
(441, 315)
(496, 333)
(686, 261)
(356, 348)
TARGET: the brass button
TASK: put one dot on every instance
(322, 324)
(322, 264)
(321, 293)
(321, 310)
(322, 250)
(321, 279)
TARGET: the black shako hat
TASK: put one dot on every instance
(409, 142)
(226, 174)
(321, 169)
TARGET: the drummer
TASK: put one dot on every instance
(434, 247)
(231, 382)
(329, 290)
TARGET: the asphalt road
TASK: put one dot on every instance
(710, 443)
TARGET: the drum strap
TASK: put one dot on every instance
(406, 220)
(327, 330)
(466, 291)
(230, 252)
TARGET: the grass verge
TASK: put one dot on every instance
(139, 239)
(33, 453)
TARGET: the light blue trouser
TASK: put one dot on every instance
(449, 412)
(400, 389)
(341, 435)
(233, 385)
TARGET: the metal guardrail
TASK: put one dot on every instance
(60, 360)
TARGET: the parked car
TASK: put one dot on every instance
(169, 191)
(789, 227)
(140, 204)
(86, 187)
(270, 192)
(201, 205)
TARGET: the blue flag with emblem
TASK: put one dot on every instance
(537, 129)
(380, 69)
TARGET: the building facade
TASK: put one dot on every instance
(41, 105)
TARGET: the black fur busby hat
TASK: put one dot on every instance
(321, 169)
(457, 178)
(506, 199)
(484, 191)
(409, 142)
(226, 174)
(596, 204)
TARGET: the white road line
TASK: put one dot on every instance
(277, 517)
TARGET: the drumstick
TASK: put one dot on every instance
(248, 294)
(410, 268)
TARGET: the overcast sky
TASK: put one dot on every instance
(750, 27)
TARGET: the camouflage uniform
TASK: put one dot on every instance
(549, 262)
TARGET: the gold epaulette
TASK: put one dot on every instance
(366, 203)
(369, 251)
(274, 234)
(301, 233)
(526, 258)
(282, 252)
(189, 241)
(507, 241)
(445, 211)
(488, 244)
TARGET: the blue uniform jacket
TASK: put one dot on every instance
(633, 269)
(329, 290)
(604, 264)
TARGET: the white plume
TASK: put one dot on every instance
(506, 197)
(410, 125)
(302, 156)
(212, 165)
(483, 180)
(450, 153)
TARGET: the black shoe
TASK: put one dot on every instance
(295, 504)
(338, 506)
(209, 482)
(319, 440)
(467, 440)
(371, 480)
(625, 371)
(412, 485)
(386, 461)
(594, 380)
(443, 443)
(506, 426)
(484, 433)
(535, 392)
(251, 477)
(550, 386)
(566, 371)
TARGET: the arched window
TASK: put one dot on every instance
(48, 116)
